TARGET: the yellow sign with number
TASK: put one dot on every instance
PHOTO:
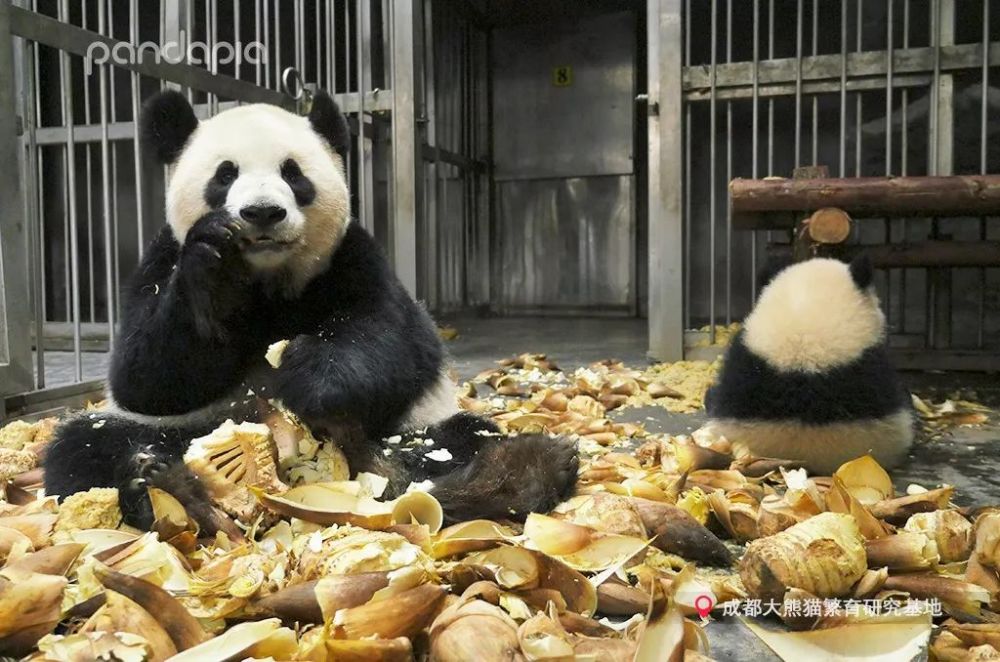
(562, 76)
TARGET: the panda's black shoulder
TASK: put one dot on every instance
(360, 252)
(359, 281)
(750, 387)
(358, 274)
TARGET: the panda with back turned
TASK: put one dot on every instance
(808, 377)
(260, 247)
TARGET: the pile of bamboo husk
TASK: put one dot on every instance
(656, 543)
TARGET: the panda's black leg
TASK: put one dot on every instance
(109, 450)
(84, 454)
(136, 478)
(178, 481)
(510, 478)
(463, 435)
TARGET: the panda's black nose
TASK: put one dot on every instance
(263, 215)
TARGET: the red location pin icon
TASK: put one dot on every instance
(703, 604)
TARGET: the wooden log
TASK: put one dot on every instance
(811, 172)
(829, 225)
(931, 253)
(753, 201)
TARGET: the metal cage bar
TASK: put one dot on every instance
(904, 84)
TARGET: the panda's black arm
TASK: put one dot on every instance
(366, 370)
(361, 348)
(167, 358)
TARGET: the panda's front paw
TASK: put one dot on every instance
(145, 468)
(214, 275)
(211, 243)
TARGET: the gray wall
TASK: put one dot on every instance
(564, 210)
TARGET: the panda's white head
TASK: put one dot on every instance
(816, 315)
(281, 175)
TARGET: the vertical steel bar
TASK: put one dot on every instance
(256, 36)
(770, 102)
(32, 203)
(277, 44)
(932, 155)
(266, 14)
(67, 278)
(688, 261)
(941, 138)
(109, 284)
(467, 152)
(711, 176)
(405, 151)
(331, 48)
(843, 88)
(43, 316)
(361, 53)
(666, 324)
(318, 78)
(889, 61)
(770, 99)
(798, 83)
(88, 154)
(858, 108)
(983, 161)
(238, 58)
(729, 170)
(66, 257)
(114, 164)
(15, 340)
(212, 28)
(363, 45)
(298, 37)
(932, 128)
(137, 151)
(904, 137)
(815, 97)
(347, 80)
(189, 31)
(755, 93)
(66, 94)
(433, 278)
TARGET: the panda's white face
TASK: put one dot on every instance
(273, 173)
(815, 316)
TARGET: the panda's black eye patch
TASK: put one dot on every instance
(227, 172)
(218, 186)
(301, 185)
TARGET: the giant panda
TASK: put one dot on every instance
(808, 377)
(259, 247)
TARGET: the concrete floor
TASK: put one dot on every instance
(60, 367)
(569, 342)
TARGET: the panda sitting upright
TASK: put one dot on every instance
(808, 377)
(259, 247)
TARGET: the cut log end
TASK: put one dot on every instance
(829, 225)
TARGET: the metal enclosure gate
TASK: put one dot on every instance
(756, 89)
(81, 200)
(732, 88)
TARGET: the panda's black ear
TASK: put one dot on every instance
(862, 271)
(329, 123)
(166, 123)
